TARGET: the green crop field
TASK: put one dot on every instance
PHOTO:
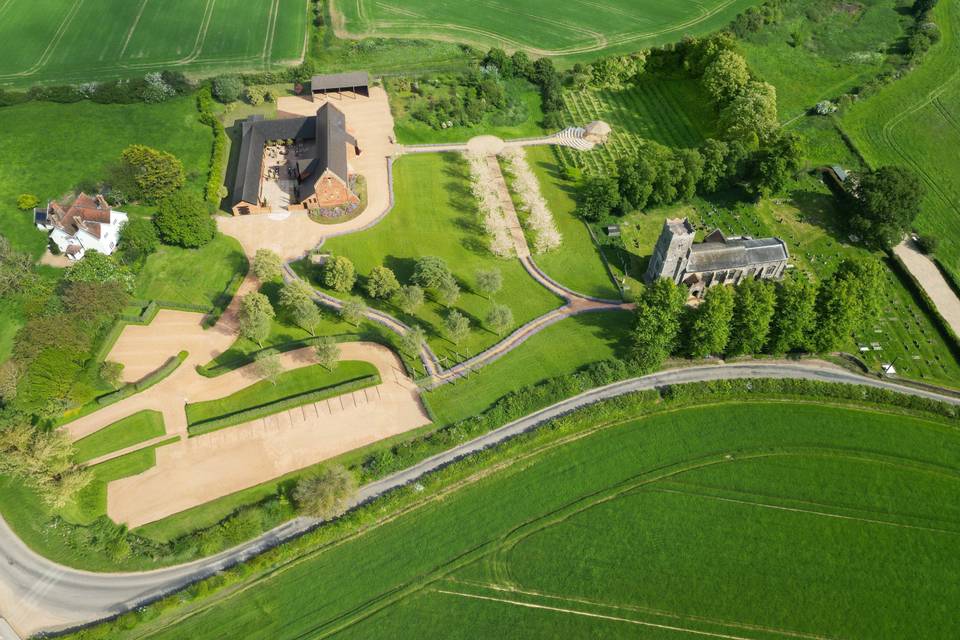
(82, 40)
(579, 29)
(750, 520)
(915, 122)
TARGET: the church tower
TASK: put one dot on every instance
(672, 252)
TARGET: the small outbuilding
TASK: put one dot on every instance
(353, 84)
(597, 132)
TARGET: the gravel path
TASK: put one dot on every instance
(928, 275)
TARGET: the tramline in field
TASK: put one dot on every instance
(73, 40)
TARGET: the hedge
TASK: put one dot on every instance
(218, 156)
(914, 285)
(271, 408)
(224, 299)
(144, 383)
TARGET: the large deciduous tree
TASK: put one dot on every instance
(888, 200)
(430, 271)
(726, 77)
(751, 117)
(709, 331)
(339, 274)
(754, 304)
(598, 196)
(255, 317)
(183, 219)
(296, 300)
(267, 265)
(148, 174)
(796, 315)
(657, 327)
(382, 283)
(325, 494)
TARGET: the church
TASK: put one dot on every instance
(716, 260)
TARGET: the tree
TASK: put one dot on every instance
(796, 314)
(499, 318)
(98, 268)
(457, 326)
(382, 283)
(266, 365)
(710, 329)
(888, 201)
(184, 220)
(147, 174)
(94, 302)
(726, 77)
(448, 291)
(430, 271)
(754, 304)
(670, 175)
(27, 201)
(522, 67)
(255, 317)
(659, 310)
(838, 313)
(353, 312)
(714, 154)
(110, 372)
(778, 162)
(928, 243)
(156, 89)
(227, 89)
(409, 298)
(412, 340)
(255, 95)
(489, 282)
(43, 460)
(296, 300)
(692, 163)
(339, 274)
(325, 494)
(635, 183)
(267, 265)
(138, 239)
(751, 116)
(598, 196)
(327, 352)
(921, 7)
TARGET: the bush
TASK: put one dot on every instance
(184, 220)
(148, 174)
(27, 201)
(928, 243)
(227, 89)
(218, 155)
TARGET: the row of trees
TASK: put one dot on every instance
(540, 72)
(758, 316)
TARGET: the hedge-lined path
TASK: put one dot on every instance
(37, 594)
(934, 284)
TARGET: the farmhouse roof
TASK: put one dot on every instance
(86, 213)
(339, 81)
(321, 145)
(735, 253)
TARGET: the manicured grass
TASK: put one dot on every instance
(56, 41)
(436, 214)
(559, 349)
(821, 50)
(706, 519)
(676, 112)
(575, 31)
(102, 132)
(192, 276)
(139, 427)
(915, 122)
(289, 383)
(577, 262)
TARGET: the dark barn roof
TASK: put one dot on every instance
(735, 253)
(324, 136)
(340, 81)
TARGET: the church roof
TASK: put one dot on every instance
(735, 253)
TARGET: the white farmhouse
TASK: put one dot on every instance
(89, 224)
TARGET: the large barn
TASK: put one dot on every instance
(309, 157)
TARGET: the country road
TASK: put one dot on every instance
(39, 595)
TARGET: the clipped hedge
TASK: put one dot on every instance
(292, 402)
(916, 288)
(218, 155)
(144, 383)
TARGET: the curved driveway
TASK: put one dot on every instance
(37, 594)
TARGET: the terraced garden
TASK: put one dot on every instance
(703, 521)
(73, 40)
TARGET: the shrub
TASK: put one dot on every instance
(382, 283)
(928, 243)
(148, 174)
(27, 201)
(183, 219)
(325, 494)
(227, 88)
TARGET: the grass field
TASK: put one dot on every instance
(577, 262)
(435, 214)
(821, 50)
(710, 520)
(89, 138)
(139, 427)
(74, 40)
(191, 276)
(915, 122)
(675, 112)
(577, 30)
(288, 384)
(557, 350)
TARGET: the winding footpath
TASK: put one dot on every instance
(40, 595)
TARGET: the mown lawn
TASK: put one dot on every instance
(708, 519)
(94, 135)
(139, 427)
(192, 276)
(436, 215)
(559, 349)
(288, 384)
(576, 263)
